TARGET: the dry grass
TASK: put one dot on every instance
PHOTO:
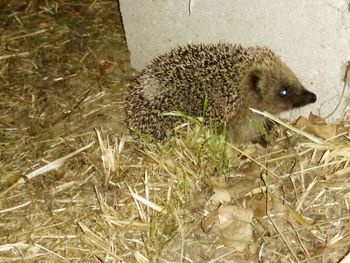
(75, 188)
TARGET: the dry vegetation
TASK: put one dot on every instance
(75, 188)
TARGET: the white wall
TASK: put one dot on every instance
(311, 36)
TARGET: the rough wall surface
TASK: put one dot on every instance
(312, 37)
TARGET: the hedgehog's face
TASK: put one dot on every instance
(278, 89)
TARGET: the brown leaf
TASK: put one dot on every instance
(258, 207)
(315, 119)
(231, 224)
(209, 221)
(220, 196)
(317, 126)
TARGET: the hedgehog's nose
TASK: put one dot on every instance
(309, 96)
(306, 97)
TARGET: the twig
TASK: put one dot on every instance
(15, 207)
(74, 108)
(51, 252)
(27, 35)
(343, 91)
(253, 160)
(274, 118)
(46, 168)
(284, 239)
(22, 54)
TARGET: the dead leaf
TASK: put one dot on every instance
(258, 207)
(237, 234)
(220, 196)
(12, 179)
(209, 221)
(314, 119)
(231, 224)
(317, 126)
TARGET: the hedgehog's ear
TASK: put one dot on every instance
(255, 80)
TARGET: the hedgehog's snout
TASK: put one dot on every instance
(306, 97)
(309, 96)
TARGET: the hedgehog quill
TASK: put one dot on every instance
(230, 77)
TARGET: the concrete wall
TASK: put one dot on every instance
(312, 37)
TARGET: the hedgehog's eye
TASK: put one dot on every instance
(283, 91)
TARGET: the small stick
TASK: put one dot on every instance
(343, 91)
(274, 118)
(253, 160)
(46, 168)
(22, 54)
(27, 35)
(51, 252)
(15, 207)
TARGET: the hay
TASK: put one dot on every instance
(75, 188)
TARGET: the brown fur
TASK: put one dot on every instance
(232, 78)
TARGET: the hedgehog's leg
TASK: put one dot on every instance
(247, 129)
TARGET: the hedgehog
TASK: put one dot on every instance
(228, 78)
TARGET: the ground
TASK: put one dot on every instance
(76, 187)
